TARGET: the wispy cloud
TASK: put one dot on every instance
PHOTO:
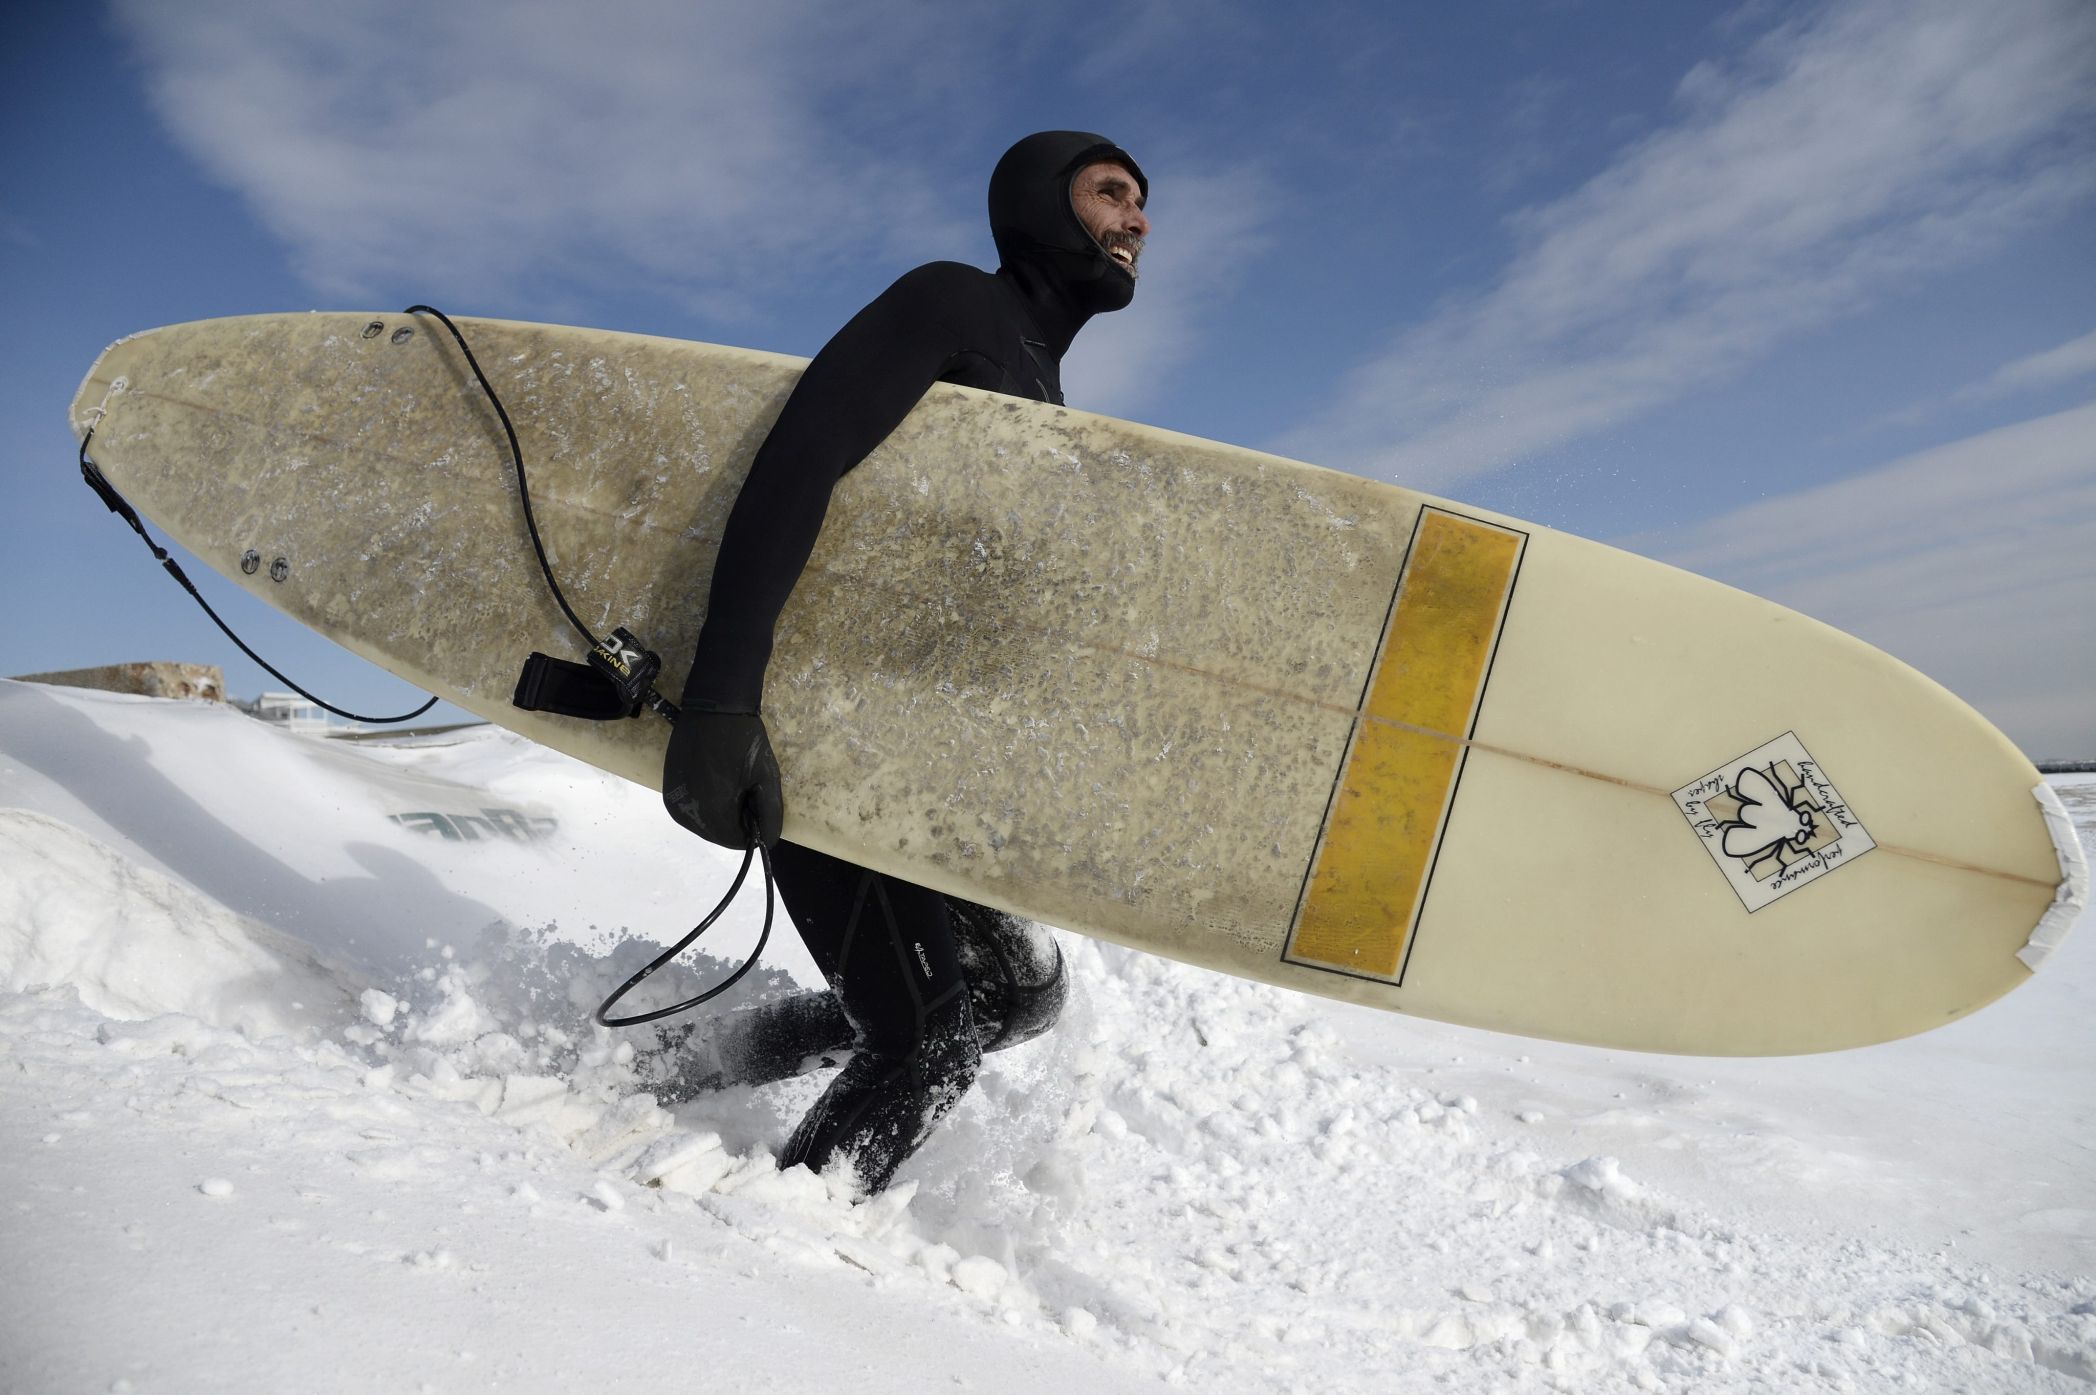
(2055, 367)
(1974, 561)
(2074, 359)
(726, 156)
(1839, 158)
(472, 145)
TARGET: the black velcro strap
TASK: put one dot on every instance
(92, 473)
(569, 689)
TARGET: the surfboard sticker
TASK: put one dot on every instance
(1772, 821)
(1367, 886)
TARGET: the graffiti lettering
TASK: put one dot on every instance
(473, 828)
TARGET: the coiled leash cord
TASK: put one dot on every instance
(618, 681)
(756, 849)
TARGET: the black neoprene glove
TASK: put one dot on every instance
(720, 779)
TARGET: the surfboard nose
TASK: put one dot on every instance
(107, 374)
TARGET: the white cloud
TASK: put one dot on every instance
(724, 155)
(1974, 561)
(2074, 359)
(380, 136)
(2033, 373)
(392, 142)
(1835, 161)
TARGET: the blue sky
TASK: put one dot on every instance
(1800, 296)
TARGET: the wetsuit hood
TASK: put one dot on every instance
(1043, 243)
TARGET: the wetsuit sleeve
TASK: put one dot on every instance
(856, 391)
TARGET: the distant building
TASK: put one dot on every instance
(291, 712)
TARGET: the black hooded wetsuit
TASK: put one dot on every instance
(916, 1002)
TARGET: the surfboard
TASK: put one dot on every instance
(1286, 723)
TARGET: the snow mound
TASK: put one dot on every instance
(371, 1097)
(133, 943)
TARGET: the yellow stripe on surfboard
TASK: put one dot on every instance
(1368, 883)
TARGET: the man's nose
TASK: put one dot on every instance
(1138, 223)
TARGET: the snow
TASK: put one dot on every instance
(297, 1092)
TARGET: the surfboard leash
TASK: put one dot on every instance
(755, 850)
(629, 669)
(98, 482)
(619, 678)
(617, 682)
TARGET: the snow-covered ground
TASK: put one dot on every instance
(297, 1092)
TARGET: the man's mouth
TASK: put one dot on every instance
(1124, 251)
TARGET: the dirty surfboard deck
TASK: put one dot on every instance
(1286, 723)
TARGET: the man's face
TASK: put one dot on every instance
(1110, 205)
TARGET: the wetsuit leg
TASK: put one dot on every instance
(887, 949)
(1016, 979)
(1016, 987)
(1017, 983)
(772, 1040)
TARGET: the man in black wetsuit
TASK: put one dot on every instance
(921, 983)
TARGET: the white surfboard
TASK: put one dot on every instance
(1283, 722)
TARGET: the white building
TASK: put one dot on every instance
(291, 711)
